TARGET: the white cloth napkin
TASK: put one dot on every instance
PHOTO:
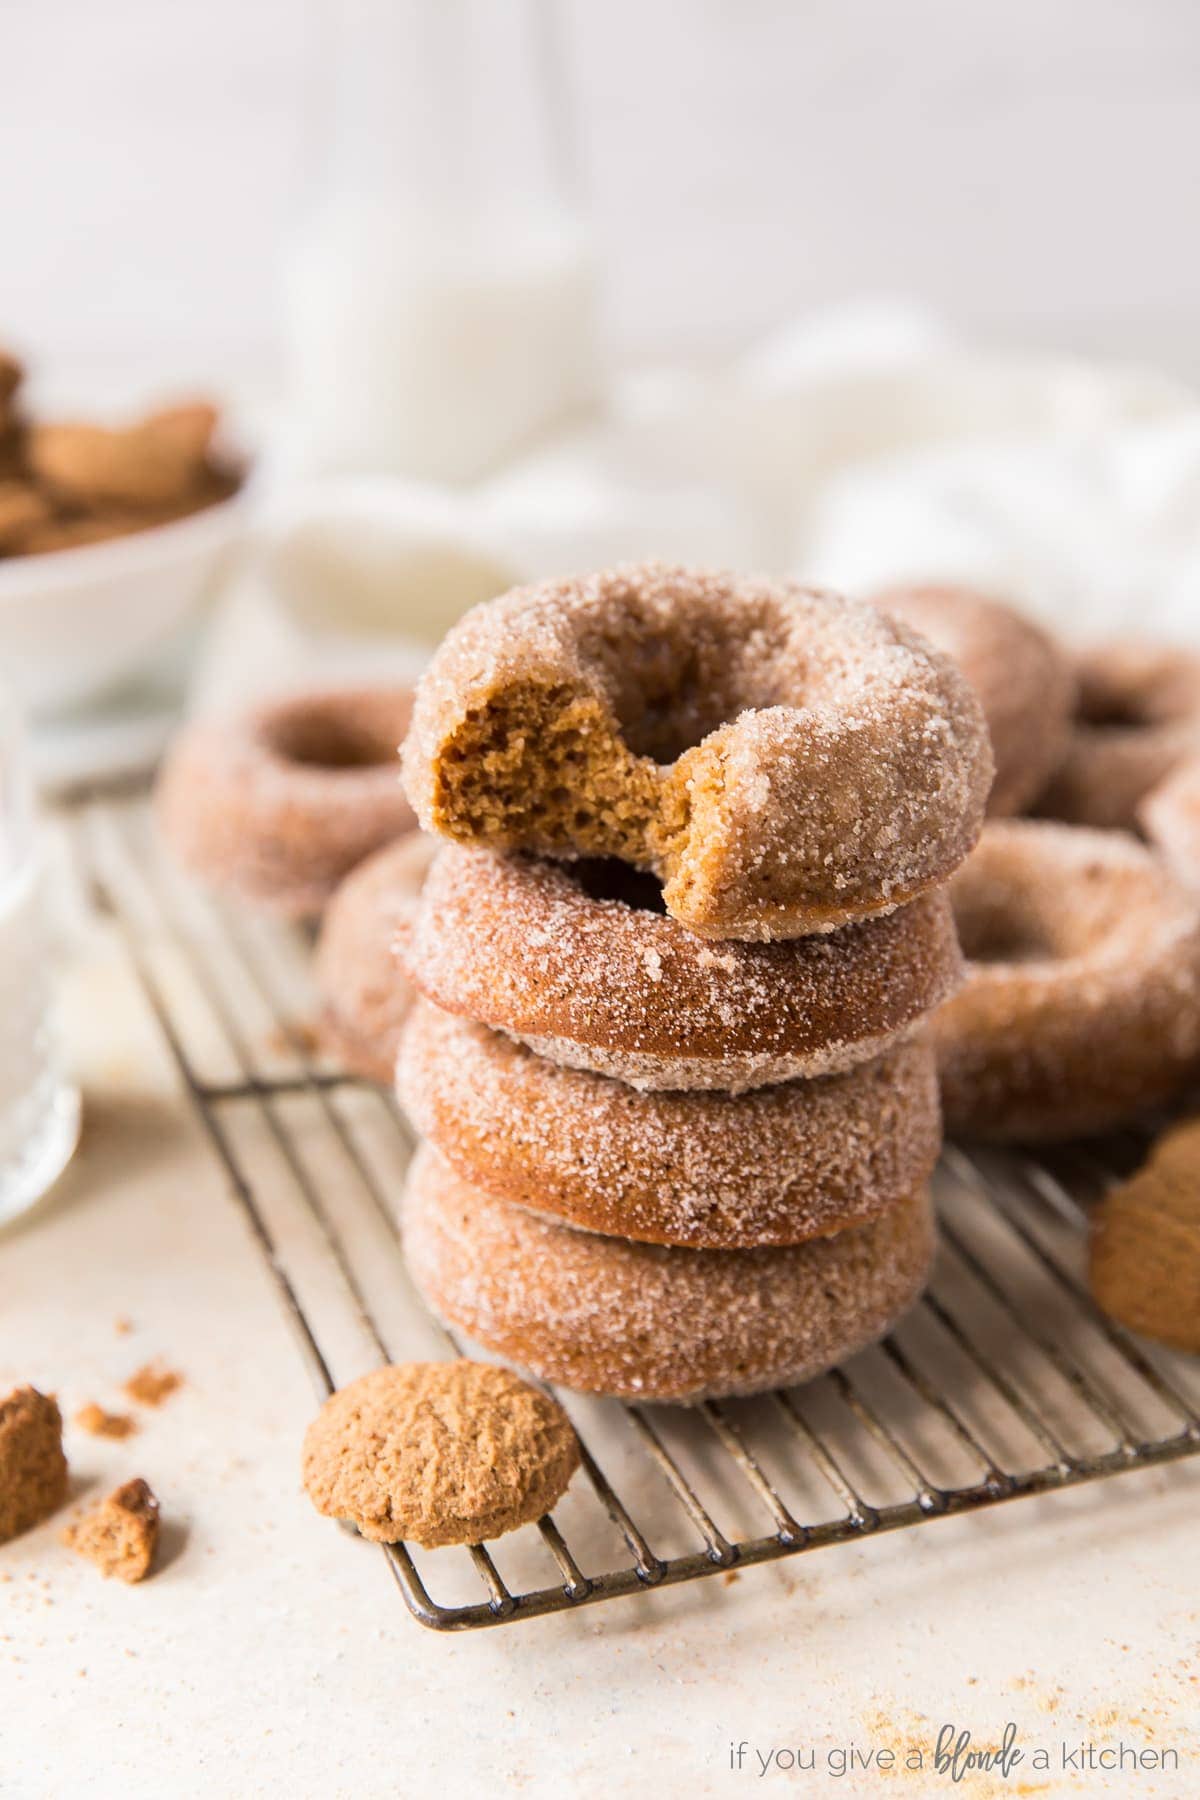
(861, 447)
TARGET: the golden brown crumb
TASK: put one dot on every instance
(122, 1326)
(151, 1385)
(33, 1469)
(94, 1419)
(121, 1534)
(1145, 1261)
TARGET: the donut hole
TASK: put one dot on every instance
(607, 878)
(331, 736)
(1113, 711)
(673, 683)
(1002, 931)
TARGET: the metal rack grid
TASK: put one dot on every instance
(1005, 1381)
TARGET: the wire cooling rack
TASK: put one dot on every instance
(1004, 1381)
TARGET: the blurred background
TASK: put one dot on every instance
(487, 290)
(1028, 167)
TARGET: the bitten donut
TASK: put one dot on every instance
(652, 1323)
(571, 958)
(777, 1165)
(1022, 677)
(357, 971)
(1081, 1006)
(784, 761)
(277, 805)
(1170, 818)
(1138, 716)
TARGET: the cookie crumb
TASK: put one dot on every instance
(122, 1326)
(93, 1419)
(121, 1534)
(151, 1385)
(33, 1469)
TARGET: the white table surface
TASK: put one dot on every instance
(272, 1654)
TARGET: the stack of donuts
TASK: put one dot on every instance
(674, 957)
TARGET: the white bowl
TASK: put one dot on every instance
(74, 623)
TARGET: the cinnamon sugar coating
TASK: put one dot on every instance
(1023, 678)
(551, 953)
(1170, 817)
(650, 1322)
(279, 803)
(784, 761)
(778, 1165)
(357, 970)
(439, 1453)
(1081, 1007)
(1138, 717)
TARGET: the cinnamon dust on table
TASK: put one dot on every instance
(151, 1384)
(98, 1422)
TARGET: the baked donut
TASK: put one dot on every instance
(784, 761)
(1138, 716)
(1081, 1006)
(648, 1322)
(1023, 679)
(573, 959)
(777, 1165)
(1170, 818)
(278, 804)
(365, 997)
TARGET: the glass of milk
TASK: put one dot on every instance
(441, 295)
(39, 1109)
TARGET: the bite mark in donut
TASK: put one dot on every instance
(784, 761)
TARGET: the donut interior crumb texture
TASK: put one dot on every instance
(33, 1469)
(1145, 1252)
(121, 1534)
(438, 1453)
(97, 1422)
(692, 724)
(151, 1384)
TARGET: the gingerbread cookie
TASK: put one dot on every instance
(440, 1453)
(1145, 1258)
